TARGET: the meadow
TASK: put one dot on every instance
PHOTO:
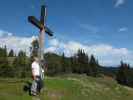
(67, 87)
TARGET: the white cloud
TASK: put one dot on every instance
(119, 3)
(15, 42)
(123, 29)
(54, 42)
(51, 49)
(106, 54)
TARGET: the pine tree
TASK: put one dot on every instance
(93, 68)
(81, 62)
(11, 53)
(21, 65)
(34, 48)
(53, 64)
(5, 69)
(73, 64)
(124, 74)
(65, 64)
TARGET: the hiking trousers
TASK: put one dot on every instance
(37, 85)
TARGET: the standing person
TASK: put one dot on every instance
(36, 75)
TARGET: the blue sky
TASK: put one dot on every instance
(90, 23)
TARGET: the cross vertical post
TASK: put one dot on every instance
(41, 44)
(42, 32)
(41, 25)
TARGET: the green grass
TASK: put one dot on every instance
(69, 87)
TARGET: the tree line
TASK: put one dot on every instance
(19, 65)
(80, 63)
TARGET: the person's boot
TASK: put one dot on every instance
(33, 93)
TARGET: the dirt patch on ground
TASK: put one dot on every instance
(55, 95)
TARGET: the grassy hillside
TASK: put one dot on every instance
(71, 87)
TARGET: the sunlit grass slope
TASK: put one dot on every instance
(69, 87)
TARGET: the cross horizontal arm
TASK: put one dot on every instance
(35, 22)
(48, 31)
(39, 25)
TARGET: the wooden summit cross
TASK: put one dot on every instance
(43, 29)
